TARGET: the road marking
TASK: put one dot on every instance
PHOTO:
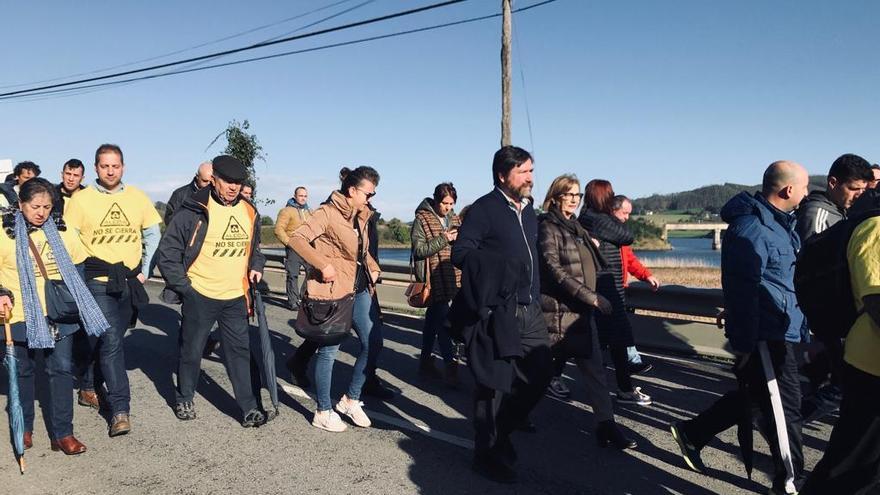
(405, 422)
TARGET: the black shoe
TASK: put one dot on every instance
(298, 374)
(494, 469)
(690, 453)
(185, 411)
(253, 419)
(640, 368)
(505, 451)
(557, 389)
(607, 433)
(271, 414)
(375, 388)
(211, 346)
(527, 427)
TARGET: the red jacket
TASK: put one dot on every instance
(630, 265)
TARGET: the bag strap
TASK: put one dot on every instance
(38, 258)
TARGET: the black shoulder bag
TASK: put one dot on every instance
(60, 305)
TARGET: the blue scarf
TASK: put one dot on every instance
(38, 336)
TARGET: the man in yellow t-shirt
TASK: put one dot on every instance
(852, 459)
(119, 228)
(208, 255)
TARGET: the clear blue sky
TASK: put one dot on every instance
(654, 96)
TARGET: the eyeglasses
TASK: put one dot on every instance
(577, 196)
(368, 195)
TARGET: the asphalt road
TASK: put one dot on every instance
(420, 441)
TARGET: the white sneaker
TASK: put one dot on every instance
(634, 397)
(354, 410)
(329, 420)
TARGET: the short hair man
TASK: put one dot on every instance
(201, 180)
(208, 255)
(852, 461)
(763, 324)
(72, 174)
(294, 214)
(119, 227)
(500, 235)
(847, 179)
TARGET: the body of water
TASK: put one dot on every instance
(685, 252)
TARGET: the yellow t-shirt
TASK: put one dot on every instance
(220, 269)
(863, 255)
(9, 268)
(110, 225)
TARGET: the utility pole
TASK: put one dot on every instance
(505, 72)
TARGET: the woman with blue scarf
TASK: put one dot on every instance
(31, 231)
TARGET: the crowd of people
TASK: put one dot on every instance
(525, 287)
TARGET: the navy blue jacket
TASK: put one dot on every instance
(757, 273)
(492, 225)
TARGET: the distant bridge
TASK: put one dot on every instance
(716, 227)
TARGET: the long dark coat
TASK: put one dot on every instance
(614, 329)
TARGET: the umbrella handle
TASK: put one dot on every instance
(6, 327)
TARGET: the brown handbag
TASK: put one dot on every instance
(418, 294)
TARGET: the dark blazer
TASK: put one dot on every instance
(492, 225)
(569, 262)
(178, 197)
(483, 315)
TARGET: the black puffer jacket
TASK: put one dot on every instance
(614, 329)
(568, 265)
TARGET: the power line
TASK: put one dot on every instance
(61, 92)
(191, 48)
(245, 48)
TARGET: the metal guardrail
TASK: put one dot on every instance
(678, 333)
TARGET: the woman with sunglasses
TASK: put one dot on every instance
(334, 241)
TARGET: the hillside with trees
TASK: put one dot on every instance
(707, 198)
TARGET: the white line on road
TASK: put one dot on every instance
(405, 422)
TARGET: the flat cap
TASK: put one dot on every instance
(229, 168)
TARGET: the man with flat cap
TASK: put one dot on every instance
(208, 256)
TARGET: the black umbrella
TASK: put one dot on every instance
(267, 373)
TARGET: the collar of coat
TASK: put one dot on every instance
(340, 202)
(198, 201)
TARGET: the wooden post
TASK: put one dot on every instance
(716, 240)
(505, 72)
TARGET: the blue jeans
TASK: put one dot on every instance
(59, 366)
(435, 316)
(108, 350)
(632, 355)
(368, 327)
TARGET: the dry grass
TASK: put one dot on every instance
(691, 277)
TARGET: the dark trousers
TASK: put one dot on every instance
(58, 369)
(108, 350)
(753, 390)
(198, 315)
(852, 459)
(84, 360)
(292, 264)
(498, 414)
(620, 358)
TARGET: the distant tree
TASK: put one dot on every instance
(395, 232)
(160, 207)
(245, 146)
(266, 220)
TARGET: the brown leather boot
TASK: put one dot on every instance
(69, 445)
(88, 398)
(28, 439)
(120, 425)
